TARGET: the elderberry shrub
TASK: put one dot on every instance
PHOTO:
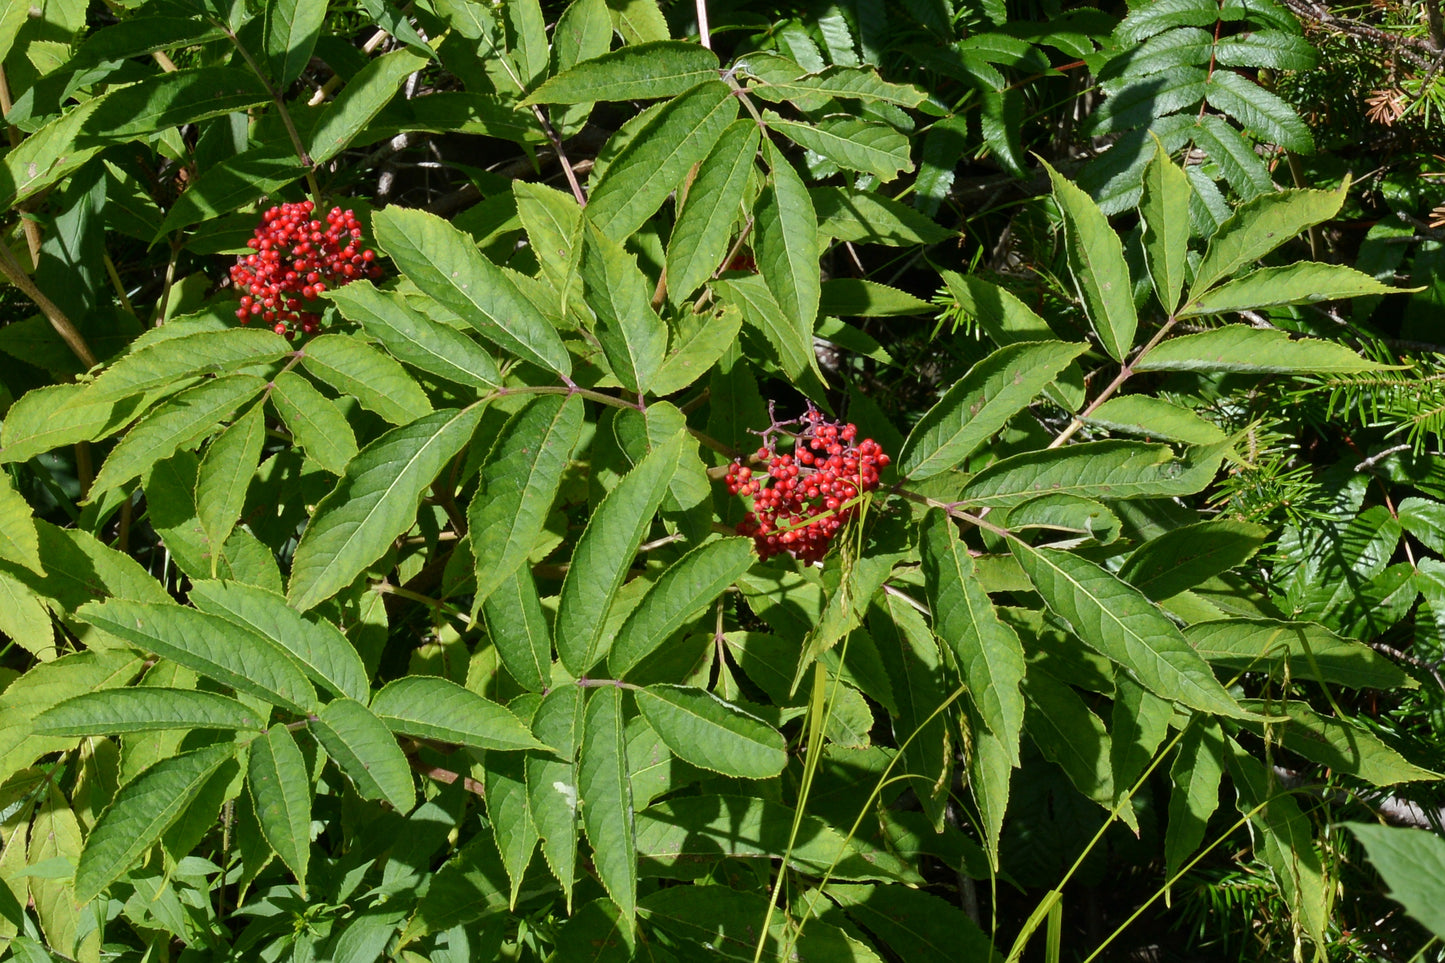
(808, 495)
(296, 259)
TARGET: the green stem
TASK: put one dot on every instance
(63, 326)
(302, 154)
(1125, 373)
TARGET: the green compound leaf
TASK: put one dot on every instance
(654, 162)
(44, 686)
(232, 185)
(852, 83)
(415, 339)
(1425, 519)
(162, 364)
(1242, 349)
(518, 628)
(1164, 211)
(1412, 863)
(375, 501)
(1150, 417)
(1340, 744)
(725, 925)
(1260, 226)
(686, 836)
(280, 786)
(704, 730)
(1305, 650)
(1096, 260)
(177, 424)
(366, 752)
(689, 584)
(444, 262)
(355, 368)
(25, 618)
(1228, 147)
(857, 298)
(505, 786)
(703, 231)
(582, 33)
(860, 145)
(998, 310)
(1115, 619)
(430, 707)
(1073, 737)
(1183, 557)
(1007, 320)
(218, 649)
(1194, 791)
(915, 924)
(360, 101)
(19, 539)
(49, 154)
(914, 663)
(789, 335)
(988, 652)
(172, 100)
(1284, 837)
(604, 553)
(519, 484)
(981, 403)
(326, 655)
(1305, 283)
(1096, 469)
(605, 789)
(552, 780)
(1001, 117)
(1275, 49)
(553, 222)
(46, 418)
(292, 27)
(632, 336)
(697, 347)
(143, 809)
(644, 71)
(1266, 115)
(144, 709)
(226, 472)
(472, 886)
(872, 219)
(316, 424)
(785, 241)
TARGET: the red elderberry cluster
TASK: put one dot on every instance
(298, 257)
(806, 496)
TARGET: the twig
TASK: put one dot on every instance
(1418, 52)
(31, 229)
(116, 283)
(1125, 373)
(704, 34)
(737, 246)
(905, 597)
(447, 776)
(334, 81)
(561, 154)
(164, 299)
(16, 275)
(1431, 667)
(1375, 459)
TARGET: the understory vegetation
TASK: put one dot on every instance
(620, 480)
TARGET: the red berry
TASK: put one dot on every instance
(295, 261)
(808, 497)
